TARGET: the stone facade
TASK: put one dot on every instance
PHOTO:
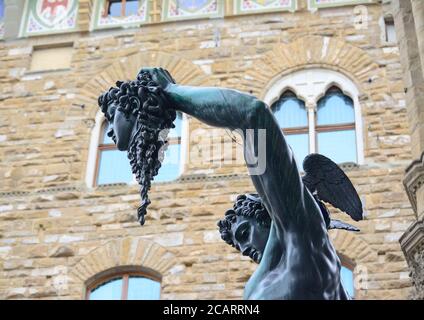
(57, 234)
(409, 20)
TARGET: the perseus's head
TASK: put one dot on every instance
(246, 227)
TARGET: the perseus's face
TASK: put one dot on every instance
(250, 237)
(120, 127)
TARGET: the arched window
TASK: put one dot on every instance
(335, 127)
(389, 30)
(121, 8)
(292, 116)
(126, 286)
(107, 165)
(320, 113)
(170, 169)
(112, 165)
(347, 276)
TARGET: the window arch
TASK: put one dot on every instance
(108, 165)
(331, 107)
(125, 284)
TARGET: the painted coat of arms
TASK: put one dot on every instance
(50, 15)
(187, 9)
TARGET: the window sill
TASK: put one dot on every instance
(113, 185)
(42, 72)
(347, 166)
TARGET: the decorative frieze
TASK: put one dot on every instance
(417, 275)
(318, 4)
(412, 243)
(56, 16)
(49, 16)
(191, 9)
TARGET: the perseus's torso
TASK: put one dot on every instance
(301, 273)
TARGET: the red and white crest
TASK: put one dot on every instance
(53, 11)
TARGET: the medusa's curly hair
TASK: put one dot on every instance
(248, 205)
(144, 99)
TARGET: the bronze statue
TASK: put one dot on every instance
(285, 221)
(246, 227)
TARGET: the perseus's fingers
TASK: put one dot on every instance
(161, 98)
(168, 75)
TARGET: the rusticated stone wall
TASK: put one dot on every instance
(57, 233)
(409, 21)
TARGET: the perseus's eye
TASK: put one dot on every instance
(242, 232)
(110, 114)
(245, 234)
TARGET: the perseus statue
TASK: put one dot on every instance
(284, 225)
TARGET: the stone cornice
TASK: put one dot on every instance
(183, 179)
(412, 240)
(414, 180)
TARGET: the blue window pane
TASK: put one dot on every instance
(176, 132)
(335, 108)
(131, 7)
(1, 9)
(290, 112)
(106, 139)
(140, 288)
(111, 290)
(300, 146)
(115, 9)
(339, 146)
(114, 167)
(170, 169)
(347, 280)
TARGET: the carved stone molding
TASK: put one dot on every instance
(413, 181)
(186, 178)
(417, 275)
(412, 243)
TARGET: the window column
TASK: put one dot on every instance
(311, 107)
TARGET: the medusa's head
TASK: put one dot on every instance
(139, 117)
(246, 227)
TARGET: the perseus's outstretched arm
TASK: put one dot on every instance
(217, 107)
(280, 185)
